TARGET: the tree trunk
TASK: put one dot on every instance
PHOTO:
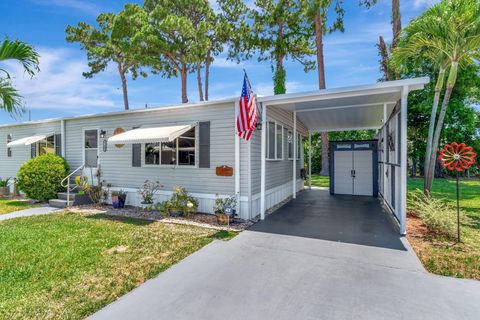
(433, 117)
(207, 74)
(279, 78)
(384, 57)
(321, 85)
(199, 81)
(124, 86)
(396, 22)
(319, 45)
(452, 77)
(183, 74)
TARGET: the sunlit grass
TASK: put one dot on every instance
(67, 266)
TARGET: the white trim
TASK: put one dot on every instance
(237, 157)
(309, 160)
(378, 104)
(345, 129)
(275, 143)
(62, 136)
(294, 162)
(403, 161)
(379, 87)
(263, 162)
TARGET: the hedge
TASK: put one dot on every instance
(40, 178)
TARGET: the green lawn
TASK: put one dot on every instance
(8, 205)
(67, 266)
(442, 256)
(439, 255)
(320, 181)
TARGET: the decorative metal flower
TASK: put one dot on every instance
(455, 156)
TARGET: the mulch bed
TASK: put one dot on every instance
(200, 219)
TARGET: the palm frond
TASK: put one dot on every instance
(22, 52)
(10, 99)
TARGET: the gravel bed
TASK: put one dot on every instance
(200, 219)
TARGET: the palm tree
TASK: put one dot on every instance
(10, 99)
(449, 35)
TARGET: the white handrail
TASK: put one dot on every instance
(67, 179)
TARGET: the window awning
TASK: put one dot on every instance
(150, 135)
(26, 141)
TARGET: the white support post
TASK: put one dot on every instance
(294, 162)
(403, 161)
(237, 160)
(263, 161)
(63, 137)
(384, 157)
(309, 160)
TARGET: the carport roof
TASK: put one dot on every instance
(347, 108)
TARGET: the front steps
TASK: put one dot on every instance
(76, 199)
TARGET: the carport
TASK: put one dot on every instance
(382, 106)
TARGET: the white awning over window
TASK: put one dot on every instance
(26, 141)
(150, 135)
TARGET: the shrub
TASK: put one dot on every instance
(435, 213)
(40, 178)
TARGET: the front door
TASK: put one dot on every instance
(90, 154)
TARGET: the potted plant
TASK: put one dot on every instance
(181, 203)
(225, 209)
(118, 199)
(4, 188)
(148, 191)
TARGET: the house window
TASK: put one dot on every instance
(91, 148)
(274, 141)
(45, 146)
(180, 152)
(290, 145)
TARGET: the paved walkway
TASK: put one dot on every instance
(318, 257)
(28, 212)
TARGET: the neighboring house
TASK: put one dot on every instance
(184, 145)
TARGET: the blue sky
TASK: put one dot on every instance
(60, 90)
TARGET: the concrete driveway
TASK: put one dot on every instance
(318, 257)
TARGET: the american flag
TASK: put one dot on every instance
(247, 112)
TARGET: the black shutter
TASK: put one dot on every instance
(9, 150)
(58, 144)
(33, 150)
(136, 153)
(204, 144)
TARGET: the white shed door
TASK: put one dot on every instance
(343, 172)
(363, 181)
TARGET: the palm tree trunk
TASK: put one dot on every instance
(183, 75)
(207, 74)
(452, 77)
(121, 71)
(384, 58)
(433, 117)
(396, 23)
(199, 81)
(321, 85)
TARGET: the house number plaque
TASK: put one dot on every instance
(224, 171)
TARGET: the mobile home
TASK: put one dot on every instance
(196, 146)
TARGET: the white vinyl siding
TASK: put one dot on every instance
(116, 162)
(9, 165)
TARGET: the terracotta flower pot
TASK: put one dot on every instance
(222, 218)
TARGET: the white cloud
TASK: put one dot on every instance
(60, 85)
(80, 5)
(424, 3)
